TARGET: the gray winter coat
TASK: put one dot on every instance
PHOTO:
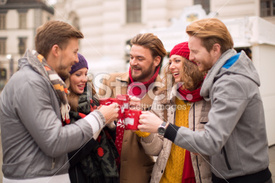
(235, 135)
(35, 144)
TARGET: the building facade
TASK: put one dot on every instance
(18, 22)
(108, 25)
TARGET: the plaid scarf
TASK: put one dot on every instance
(39, 64)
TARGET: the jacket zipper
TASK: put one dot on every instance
(198, 168)
(194, 128)
(226, 159)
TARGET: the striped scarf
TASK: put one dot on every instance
(39, 64)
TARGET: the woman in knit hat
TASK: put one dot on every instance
(183, 106)
(95, 161)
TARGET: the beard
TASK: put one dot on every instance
(144, 73)
(63, 72)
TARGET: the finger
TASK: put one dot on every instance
(115, 105)
(142, 128)
(145, 112)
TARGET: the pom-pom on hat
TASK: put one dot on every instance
(181, 49)
(81, 64)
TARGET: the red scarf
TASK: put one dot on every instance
(134, 89)
(188, 175)
(119, 138)
(190, 96)
(139, 89)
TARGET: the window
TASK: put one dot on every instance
(133, 8)
(22, 45)
(127, 50)
(22, 20)
(2, 2)
(267, 8)
(205, 4)
(3, 74)
(2, 21)
(3, 46)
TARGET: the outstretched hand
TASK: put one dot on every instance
(149, 122)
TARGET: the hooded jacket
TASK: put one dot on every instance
(235, 135)
(35, 144)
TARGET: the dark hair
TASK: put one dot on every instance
(54, 32)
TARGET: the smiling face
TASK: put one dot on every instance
(198, 53)
(78, 80)
(142, 63)
(176, 67)
(67, 58)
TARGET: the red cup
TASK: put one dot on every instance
(109, 101)
(131, 119)
(106, 101)
(121, 100)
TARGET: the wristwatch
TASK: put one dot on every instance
(162, 128)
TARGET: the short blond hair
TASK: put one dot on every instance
(211, 31)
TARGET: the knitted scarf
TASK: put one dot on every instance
(39, 64)
(135, 89)
(191, 96)
(139, 89)
(99, 165)
(188, 175)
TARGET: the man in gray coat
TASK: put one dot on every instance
(34, 108)
(235, 135)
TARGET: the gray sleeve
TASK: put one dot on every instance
(228, 103)
(34, 106)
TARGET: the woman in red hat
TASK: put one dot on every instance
(182, 106)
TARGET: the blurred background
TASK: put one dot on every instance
(108, 26)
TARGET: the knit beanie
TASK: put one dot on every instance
(81, 64)
(181, 49)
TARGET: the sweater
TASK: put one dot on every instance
(174, 167)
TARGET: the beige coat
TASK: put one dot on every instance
(136, 165)
(158, 146)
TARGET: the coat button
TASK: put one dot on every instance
(161, 171)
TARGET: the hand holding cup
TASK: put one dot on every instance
(149, 122)
(110, 112)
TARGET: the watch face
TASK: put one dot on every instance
(161, 130)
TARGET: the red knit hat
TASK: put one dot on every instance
(181, 49)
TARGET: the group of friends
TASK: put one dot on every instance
(202, 122)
